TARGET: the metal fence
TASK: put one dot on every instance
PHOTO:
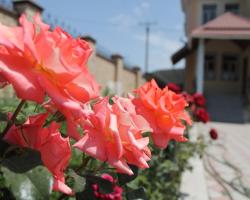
(54, 21)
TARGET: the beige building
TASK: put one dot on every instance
(109, 71)
(217, 52)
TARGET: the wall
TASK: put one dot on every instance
(8, 17)
(128, 80)
(103, 70)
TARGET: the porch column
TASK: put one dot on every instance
(200, 66)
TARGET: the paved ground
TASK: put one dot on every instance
(224, 173)
(219, 107)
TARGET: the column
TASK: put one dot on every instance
(138, 76)
(118, 62)
(200, 66)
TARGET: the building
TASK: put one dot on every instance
(217, 52)
(110, 71)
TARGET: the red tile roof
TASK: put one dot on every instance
(226, 26)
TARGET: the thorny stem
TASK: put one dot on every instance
(13, 118)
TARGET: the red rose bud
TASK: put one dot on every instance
(213, 134)
(202, 115)
(173, 87)
(199, 99)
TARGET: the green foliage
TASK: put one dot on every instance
(23, 176)
(34, 184)
(22, 161)
(124, 178)
(162, 180)
(79, 182)
(137, 194)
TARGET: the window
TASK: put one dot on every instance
(230, 68)
(209, 12)
(233, 8)
(210, 65)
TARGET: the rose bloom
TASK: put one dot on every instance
(202, 115)
(131, 127)
(55, 150)
(213, 134)
(114, 134)
(173, 87)
(37, 61)
(199, 99)
(164, 110)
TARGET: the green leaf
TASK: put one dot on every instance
(24, 162)
(3, 147)
(138, 194)
(125, 178)
(79, 182)
(105, 186)
(3, 116)
(35, 184)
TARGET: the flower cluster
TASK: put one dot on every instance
(55, 150)
(115, 195)
(165, 112)
(196, 101)
(41, 63)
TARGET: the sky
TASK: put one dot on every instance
(117, 26)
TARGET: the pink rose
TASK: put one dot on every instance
(114, 134)
(164, 110)
(55, 150)
(37, 61)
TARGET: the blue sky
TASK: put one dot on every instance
(115, 24)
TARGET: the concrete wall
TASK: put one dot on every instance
(8, 17)
(103, 70)
(111, 73)
(128, 80)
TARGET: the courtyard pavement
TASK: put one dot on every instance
(224, 171)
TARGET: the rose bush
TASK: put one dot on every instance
(73, 132)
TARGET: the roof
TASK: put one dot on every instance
(226, 26)
(178, 55)
(163, 77)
